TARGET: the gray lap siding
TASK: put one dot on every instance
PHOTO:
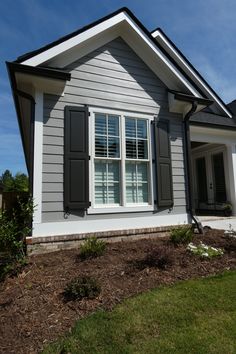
(111, 77)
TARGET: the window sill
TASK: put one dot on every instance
(120, 209)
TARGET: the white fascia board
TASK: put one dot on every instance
(212, 135)
(94, 31)
(156, 34)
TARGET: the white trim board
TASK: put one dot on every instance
(38, 157)
(87, 226)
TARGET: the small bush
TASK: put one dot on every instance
(15, 225)
(92, 248)
(181, 235)
(83, 287)
(160, 258)
(205, 251)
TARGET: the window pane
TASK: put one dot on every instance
(100, 146)
(113, 125)
(142, 128)
(136, 177)
(142, 149)
(100, 124)
(100, 171)
(142, 172)
(130, 127)
(113, 171)
(131, 193)
(114, 193)
(100, 193)
(130, 172)
(143, 193)
(107, 182)
(113, 147)
(131, 152)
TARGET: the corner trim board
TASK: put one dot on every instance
(38, 158)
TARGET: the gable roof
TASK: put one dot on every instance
(169, 53)
(179, 57)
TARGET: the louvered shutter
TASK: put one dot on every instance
(76, 159)
(163, 164)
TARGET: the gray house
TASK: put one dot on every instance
(121, 134)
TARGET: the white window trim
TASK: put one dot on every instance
(108, 209)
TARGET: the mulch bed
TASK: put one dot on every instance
(33, 311)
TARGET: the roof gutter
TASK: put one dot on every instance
(187, 147)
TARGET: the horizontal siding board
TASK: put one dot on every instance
(178, 164)
(48, 216)
(110, 77)
(51, 149)
(52, 178)
(180, 202)
(52, 206)
(177, 171)
(114, 97)
(52, 187)
(53, 159)
(77, 88)
(179, 187)
(106, 72)
(53, 168)
(52, 197)
(116, 81)
(176, 149)
(53, 140)
(54, 121)
(178, 179)
(105, 103)
(115, 66)
(177, 157)
(179, 194)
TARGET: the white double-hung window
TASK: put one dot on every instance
(121, 169)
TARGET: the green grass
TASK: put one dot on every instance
(197, 316)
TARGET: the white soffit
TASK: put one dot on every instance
(40, 83)
(121, 24)
(184, 65)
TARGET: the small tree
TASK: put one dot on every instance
(17, 183)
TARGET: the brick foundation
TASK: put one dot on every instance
(37, 245)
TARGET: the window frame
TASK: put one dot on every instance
(124, 207)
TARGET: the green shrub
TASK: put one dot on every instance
(181, 235)
(15, 225)
(92, 247)
(205, 251)
(82, 287)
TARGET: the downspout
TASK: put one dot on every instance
(187, 145)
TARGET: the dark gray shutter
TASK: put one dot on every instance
(163, 164)
(76, 159)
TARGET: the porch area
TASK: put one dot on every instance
(213, 158)
(217, 222)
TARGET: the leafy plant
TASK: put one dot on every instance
(82, 287)
(205, 251)
(92, 247)
(227, 209)
(181, 235)
(15, 225)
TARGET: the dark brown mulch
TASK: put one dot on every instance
(32, 310)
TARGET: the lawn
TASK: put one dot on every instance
(194, 316)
